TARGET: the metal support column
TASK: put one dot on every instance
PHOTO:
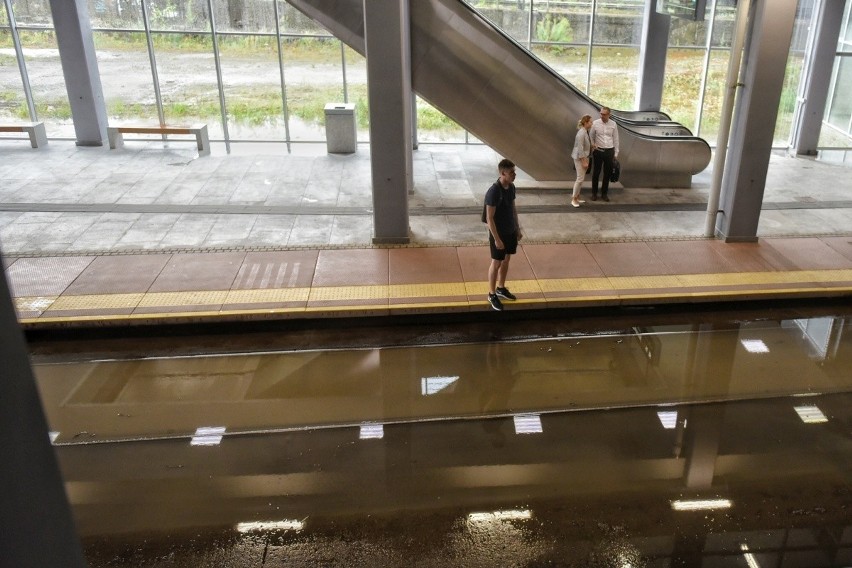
(223, 109)
(652, 58)
(764, 65)
(825, 31)
(281, 73)
(36, 526)
(387, 33)
(22, 66)
(80, 68)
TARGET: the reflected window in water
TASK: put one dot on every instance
(434, 385)
(755, 346)
(811, 414)
(372, 432)
(701, 504)
(668, 419)
(528, 424)
(208, 436)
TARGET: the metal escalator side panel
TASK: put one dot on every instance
(493, 89)
(506, 97)
(344, 19)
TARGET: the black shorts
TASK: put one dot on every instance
(509, 241)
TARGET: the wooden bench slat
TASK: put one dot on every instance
(155, 129)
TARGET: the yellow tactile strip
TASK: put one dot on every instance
(451, 296)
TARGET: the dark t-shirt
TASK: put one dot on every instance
(504, 200)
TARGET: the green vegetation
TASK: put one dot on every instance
(554, 28)
(613, 80)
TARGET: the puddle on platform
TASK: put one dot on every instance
(748, 483)
(277, 391)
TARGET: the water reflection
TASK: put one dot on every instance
(271, 391)
(594, 488)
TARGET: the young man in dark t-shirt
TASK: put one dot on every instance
(504, 232)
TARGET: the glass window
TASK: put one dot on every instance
(714, 94)
(615, 72)
(435, 126)
(314, 75)
(126, 77)
(31, 13)
(244, 16)
(41, 55)
(116, 14)
(252, 83)
(682, 86)
(512, 17)
(685, 32)
(725, 23)
(793, 75)
(294, 22)
(178, 16)
(840, 113)
(187, 73)
(570, 62)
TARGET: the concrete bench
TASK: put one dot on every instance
(35, 130)
(116, 140)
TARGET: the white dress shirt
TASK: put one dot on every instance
(605, 134)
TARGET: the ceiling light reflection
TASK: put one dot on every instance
(286, 524)
(372, 432)
(434, 385)
(755, 345)
(810, 414)
(208, 436)
(749, 557)
(668, 419)
(510, 515)
(701, 504)
(528, 424)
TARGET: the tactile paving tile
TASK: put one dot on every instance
(96, 302)
(272, 296)
(575, 284)
(332, 293)
(194, 298)
(758, 278)
(644, 282)
(45, 276)
(434, 290)
(34, 303)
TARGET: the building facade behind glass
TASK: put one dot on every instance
(258, 70)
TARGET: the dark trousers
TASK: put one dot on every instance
(603, 159)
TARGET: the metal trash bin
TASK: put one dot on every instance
(340, 133)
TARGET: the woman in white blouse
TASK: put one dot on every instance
(582, 154)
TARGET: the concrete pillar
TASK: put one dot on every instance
(80, 67)
(818, 66)
(36, 527)
(652, 58)
(387, 35)
(764, 64)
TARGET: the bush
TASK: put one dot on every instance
(555, 29)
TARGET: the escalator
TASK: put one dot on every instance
(501, 93)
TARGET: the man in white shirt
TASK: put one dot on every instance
(604, 134)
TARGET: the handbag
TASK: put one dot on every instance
(589, 167)
(616, 170)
